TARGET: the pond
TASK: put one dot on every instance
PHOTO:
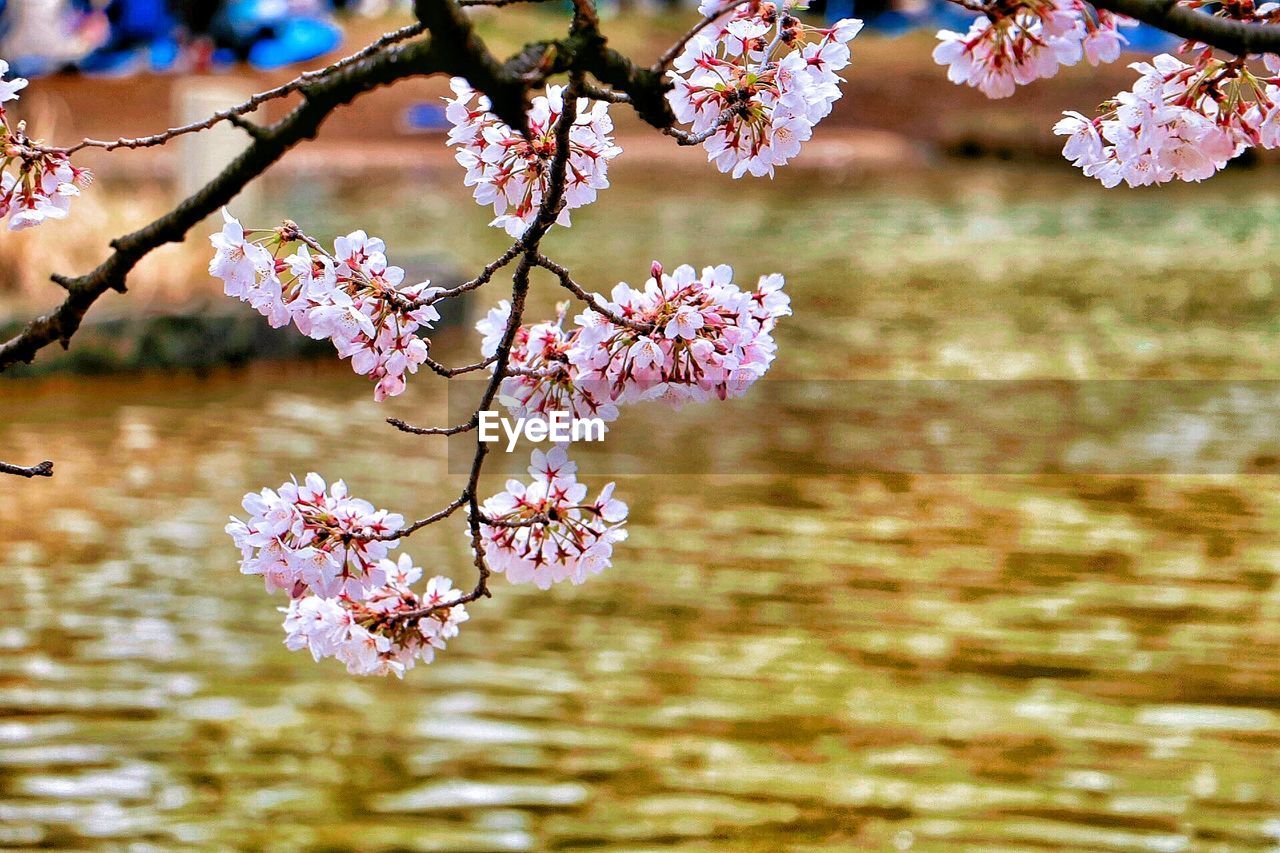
(814, 653)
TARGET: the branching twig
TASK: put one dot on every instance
(684, 137)
(593, 301)
(233, 114)
(433, 518)
(321, 100)
(403, 532)
(482, 279)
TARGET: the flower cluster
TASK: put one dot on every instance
(546, 380)
(385, 631)
(706, 338)
(1029, 41)
(685, 337)
(352, 297)
(328, 551)
(307, 536)
(544, 533)
(1179, 122)
(510, 171)
(35, 183)
(753, 86)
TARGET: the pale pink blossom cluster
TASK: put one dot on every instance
(691, 337)
(384, 631)
(707, 338)
(550, 532)
(328, 551)
(753, 86)
(308, 536)
(1179, 122)
(510, 171)
(545, 382)
(353, 297)
(35, 184)
(1027, 42)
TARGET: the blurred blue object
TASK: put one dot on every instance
(148, 35)
(837, 9)
(425, 116)
(1148, 39)
(143, 36)
(295, 41)
(270, 33)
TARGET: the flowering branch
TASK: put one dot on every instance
(547, 214)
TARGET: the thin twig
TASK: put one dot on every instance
(403, 532)
(531, 521)
(232, 114)
(450, 372)
(482, 279)
(593, 301)
(552, 203)
(453, 430)
(672, 52)
(684, 137)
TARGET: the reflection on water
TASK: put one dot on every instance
(926, 662)
(794, 659)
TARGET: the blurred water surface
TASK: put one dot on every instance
(790, 660)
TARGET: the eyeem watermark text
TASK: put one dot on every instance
(558, 427)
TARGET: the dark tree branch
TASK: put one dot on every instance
(468, 57)
(1235, 37)
(44, 469)
(319, 101)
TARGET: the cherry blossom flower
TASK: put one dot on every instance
(309, 537)
(1180, 121)
(510, 171)
(383, 630)
(1027, 42)
(36, 184)
(546, 382)
(753, 100)
(9, 89)
(353, 297)
(549, 533)
(709, 338)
